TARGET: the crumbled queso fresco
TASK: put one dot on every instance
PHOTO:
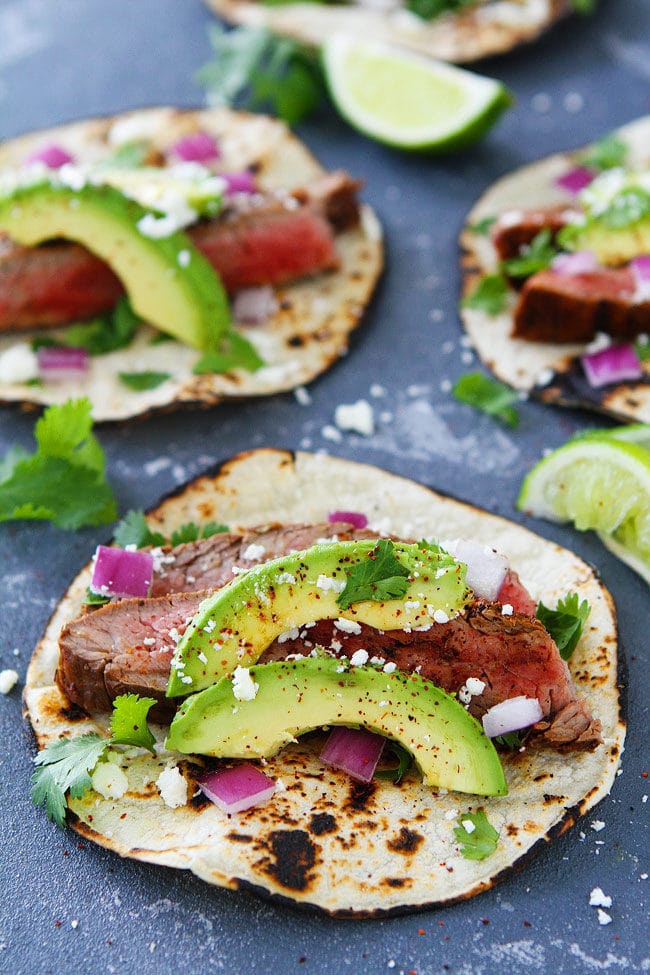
(244, 687)
(172, 787)
(8, 680)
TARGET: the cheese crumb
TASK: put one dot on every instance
(326, 583)
(289, 635)
(8, 680)
(254, 552)
(359, 658)
(468, 825)
(604, 917)
(109, 780)
(390, 667)
(347, 626)
(506, 610)
(18, 364)
(475, 686)
(357, 417)
(599, 899)
(243, 686)
(440, 616)
(597, 825)
(286, 578)
(172, 787)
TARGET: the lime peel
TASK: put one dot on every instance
(407, 100)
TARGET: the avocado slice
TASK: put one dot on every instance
(293, 697)
(169, 282)
(616, 222)
(237, 623)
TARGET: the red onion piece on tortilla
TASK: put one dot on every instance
(198, 147)
(575, 179)
(51, 155)
(62, 362)
(511, 715)
(354, 518)
(237, 788)
(243, 182)
(612, 365)
(640, 267)
(118, 572)
(254, 306)
(486, 569)
(353, 750)
(582, 262)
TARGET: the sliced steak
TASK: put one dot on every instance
(257, 239)
(515, 230)
(572, 308)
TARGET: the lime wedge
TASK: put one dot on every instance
(638, 433)
(407, 100)
(599, 483)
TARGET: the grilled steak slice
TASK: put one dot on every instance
(258, 239)
(515, 229)
(572, 308)
(127, 646)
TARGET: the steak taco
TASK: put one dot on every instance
(166, 257)
(557, 276)
(342, 680)
(450, 30)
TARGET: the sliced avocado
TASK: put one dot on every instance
(169, 282)
(293, 697)
(237, 623)
(153, 186)
(616, 220)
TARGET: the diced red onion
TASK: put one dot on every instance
(354, 518)
(198, 147)
(243, 182)
(254, 306)
(118, 572)
(576, 179)
(511, 715)
(237, 788)
(582, 262)
(355, 751)
(486, 569)
(612, 365)
(52, 156)
(62, 362)
(640, 267)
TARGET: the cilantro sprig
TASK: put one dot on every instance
(404, 759)
(235, 352)
(608, 153)
(67, 765)
(479, 842)
(489, 396)
(378, 577)
(134, 530)
(64, 480)
(535, 257)
(490, 294)
(141, 381)
(107, 333)
(566, 622)
(252, 68)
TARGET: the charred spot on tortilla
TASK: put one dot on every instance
(283, 239)
(322, 840)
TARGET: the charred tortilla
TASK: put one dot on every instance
(325, 841)
(458, 36)
(551, 372)
(315, 316)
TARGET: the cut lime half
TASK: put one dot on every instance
(597, 483)
(407, 100)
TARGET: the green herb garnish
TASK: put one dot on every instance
(607, 153)
(477, 843)
(252, 68)
(378, 577)
(133, 530)
(404, 760)
(512, 739)
(106, 334)
(489, 396)
(64, 480)
(95, 598)
(236, 352)
(535, 257)
(566, 622)
(66, 765)
(141, 381)
(490, 295)
(483, 227)
(628, 207)
(191, 532)
(430, 9)
(642, 350)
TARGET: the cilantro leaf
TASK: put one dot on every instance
(191, 532)
(236, 352)
(535, 257)
(404, 760)
(566, 622)
(628, 208)
(133, 530)
(489, 396)
(112, 331)
(95, 598)
(378, 577)
(65, 765)
(483, 227)
(607, 153)
(63, 481)
(584, 6)
(490, 295)
(141, 381)
(477, 843)
(430, 9)
(129, 721)
(129, 155)
(642, 349)
(512, 739)
(253, 68)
